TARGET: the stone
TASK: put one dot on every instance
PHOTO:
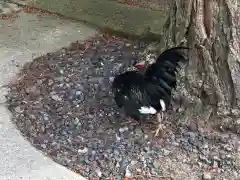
(207, 176)
(6, 11)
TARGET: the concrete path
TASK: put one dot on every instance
(30, 36)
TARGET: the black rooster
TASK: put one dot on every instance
(149, 93)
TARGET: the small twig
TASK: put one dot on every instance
(105, 38)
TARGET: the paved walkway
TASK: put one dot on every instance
(26, 37)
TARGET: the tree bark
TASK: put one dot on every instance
(211, 28)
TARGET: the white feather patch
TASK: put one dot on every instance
(147, 110)
(163, 105)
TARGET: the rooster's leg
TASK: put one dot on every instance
(159, 128)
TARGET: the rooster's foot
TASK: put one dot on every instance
(159, 129)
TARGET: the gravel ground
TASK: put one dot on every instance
(63, 104)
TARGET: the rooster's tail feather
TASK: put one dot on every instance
(162, 74)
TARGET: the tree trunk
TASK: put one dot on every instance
(211, 28)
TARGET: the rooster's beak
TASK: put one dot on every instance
(140, 65)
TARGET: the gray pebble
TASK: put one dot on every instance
(166, 152)
(18, 109)
(44, 146)
(207, 176)
(56, 98)
(45, 117)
